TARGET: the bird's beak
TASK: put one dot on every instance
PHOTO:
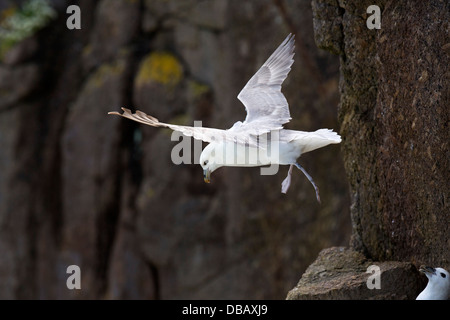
(427, 270)
(207, 175)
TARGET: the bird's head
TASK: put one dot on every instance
(208, 161)
(437, 277)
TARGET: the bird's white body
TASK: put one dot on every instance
(282, 147)
(438, 287)
(232, 154)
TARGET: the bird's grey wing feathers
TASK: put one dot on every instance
(200, 133)
(267, 108)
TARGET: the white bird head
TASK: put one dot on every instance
(209, 161)
(438, 287)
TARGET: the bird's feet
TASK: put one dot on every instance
(287, 181)
(310, 180)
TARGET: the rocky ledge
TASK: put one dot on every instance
(340, 273)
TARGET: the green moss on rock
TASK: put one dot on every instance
(17, 24)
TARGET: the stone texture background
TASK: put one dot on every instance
(80, 187)
(394, 118)
(341, 273)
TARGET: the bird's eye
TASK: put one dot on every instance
(205, 162)
(443, 275)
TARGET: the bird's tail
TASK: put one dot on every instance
(318, 139)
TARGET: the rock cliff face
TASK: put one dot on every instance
(80, 187)
(394, 119)
(341, 273)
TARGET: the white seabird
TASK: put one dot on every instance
(438, 287)
(267, 112)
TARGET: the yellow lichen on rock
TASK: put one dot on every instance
(198, 89)
(105, 72)
(160, 67)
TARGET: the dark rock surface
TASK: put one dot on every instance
(394, 119)
(341, 273)
(80, 187)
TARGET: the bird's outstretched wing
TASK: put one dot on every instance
(267, 108)
(200, 133)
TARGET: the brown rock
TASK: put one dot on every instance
(21, 52)
(389, 133)
(393, 116)
(89, 154)
(341, 273)
(26, 75)
(80, 187)
(115, 25)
